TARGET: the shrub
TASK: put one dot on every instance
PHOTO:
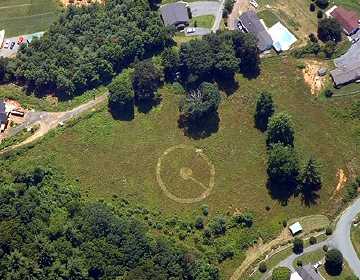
(299, 263)
(328, 93)
(312, 240)
(199, 223)
(312, 7)
(322, 3)
(262, 267)
(325, 248)
(218, 225)
(205, 209)
(313, 38)
(284, 223)
(320, 14)
(329, 230)
(298, 246)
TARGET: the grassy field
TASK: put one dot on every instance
(27, 16)
(269, 17)
(203, 21)
(110, 158)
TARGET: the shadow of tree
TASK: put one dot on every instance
(122, 113)
(145, 106)
(250, 71)
(310, 197)
(202, 128)
(282, 191)
(228, 85)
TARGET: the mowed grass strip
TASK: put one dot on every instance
(26, 16)
(110, 157)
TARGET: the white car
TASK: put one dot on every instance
(190, 30)
(7, 44)
(254, 3)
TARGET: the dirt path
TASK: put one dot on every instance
(256, 252)
(48, 121)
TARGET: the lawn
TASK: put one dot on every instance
(269, 17)
(203, 21)
(27, 16)
(110, 158)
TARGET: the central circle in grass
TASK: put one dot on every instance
(186, 173)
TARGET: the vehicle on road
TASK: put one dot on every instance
(7, 44)
(254, 4)
(12, 45)
(190, 30)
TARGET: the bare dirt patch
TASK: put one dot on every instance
(311, 77)
(341, 183)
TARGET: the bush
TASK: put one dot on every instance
(205, 209)
(312, 7)
(328, 93)
(312, 240)
(299, 263)
(322, 4)
(325, 248)
(199, 223)
(298, 246)
(284, 223)
(313, 38)
(329, 230)
(218, 225)
(320, 14)
(262, 267)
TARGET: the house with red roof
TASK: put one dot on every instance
(349, 20)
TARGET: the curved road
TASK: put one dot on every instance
(340, 239)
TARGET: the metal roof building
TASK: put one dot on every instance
(346, 74)
(307, 272)
(349, 20)
(174, 14)
(295, 228)
(252, 24)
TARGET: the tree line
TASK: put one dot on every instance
(47, 231)
(87, 46)
(285, 175)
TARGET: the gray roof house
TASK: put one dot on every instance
(346, 74)
(175, 14)
(307, 272)
(251, 23)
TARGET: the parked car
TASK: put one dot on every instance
(7, 44)
(12, 45)
(254, 4)
(190, 30)
(21, 40)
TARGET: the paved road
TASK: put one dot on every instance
(340, 239)
(351, 56)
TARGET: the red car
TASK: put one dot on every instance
(21, 40)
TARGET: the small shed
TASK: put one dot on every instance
(295, 228)
(322, 72)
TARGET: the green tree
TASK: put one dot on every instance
(283, 171)
(322, 3)
(329, 30)
(280, 130)
(226, 63)
(170, 62)
(146, 80)
(281, 273)
(310, 177)
(333, 262)
(298, 246)
(329, 48)
(121, 90)
(264, 110)
(218, 225)
(200, 103)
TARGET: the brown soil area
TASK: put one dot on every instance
(341, 183)
(311, 77)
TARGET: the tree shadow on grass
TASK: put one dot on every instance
(202, 128)
(122, 113)
(310, 197)
(282, 191)
(251, 72)
(229, 85)
(145, 106)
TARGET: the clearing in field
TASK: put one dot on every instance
(27, 16)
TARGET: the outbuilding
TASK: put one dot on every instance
(349, 20)
(295, 228)
(175, 14)
(346, 74)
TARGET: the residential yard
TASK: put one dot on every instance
(27, 16)
(269, 17)
(202, 21)
(111, 159)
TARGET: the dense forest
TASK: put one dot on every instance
(48, 232)
(88, 45)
